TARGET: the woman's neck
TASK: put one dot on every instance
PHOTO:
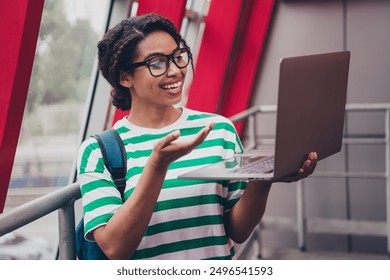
(155, 117)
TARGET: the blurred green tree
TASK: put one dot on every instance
(63, 61)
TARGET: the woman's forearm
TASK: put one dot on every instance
(120, 237)
(248, 211)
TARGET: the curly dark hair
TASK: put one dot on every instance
(118, 49)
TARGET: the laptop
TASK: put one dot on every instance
(310, 117)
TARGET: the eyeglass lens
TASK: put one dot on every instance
(159, 65)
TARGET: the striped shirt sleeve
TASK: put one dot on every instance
(96, 181)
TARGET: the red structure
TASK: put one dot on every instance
(225, 70)
(19, 28)
(229, 53)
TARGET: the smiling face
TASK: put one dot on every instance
(147, 90)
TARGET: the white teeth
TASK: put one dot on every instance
(172, 86)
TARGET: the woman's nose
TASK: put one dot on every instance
(173, 69)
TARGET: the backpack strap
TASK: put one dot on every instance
(114, 156)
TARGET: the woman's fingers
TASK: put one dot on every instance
(307, 168)
(169, 150)
(310, 164)
(200, 137)
(164, 142)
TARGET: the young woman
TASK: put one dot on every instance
(162, 217)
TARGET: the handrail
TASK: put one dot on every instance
(253, 111)
(272, 109)
(37, 208)
(302, 225)
(64, 198)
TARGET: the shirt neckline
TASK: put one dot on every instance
(171, 127)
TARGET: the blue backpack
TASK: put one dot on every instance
(114, 155)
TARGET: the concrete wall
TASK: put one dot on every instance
(306, 27)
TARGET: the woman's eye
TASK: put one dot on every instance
(178, 58)
(157, 63)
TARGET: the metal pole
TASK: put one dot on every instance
(252, 133)
(33, 210)
(66, 224)
(387, 172)
(301, 229)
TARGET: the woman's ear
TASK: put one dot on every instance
(125, 80)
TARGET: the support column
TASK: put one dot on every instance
(19, 29)
(215, 55)
(247, 54)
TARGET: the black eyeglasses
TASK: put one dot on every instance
(158, 65)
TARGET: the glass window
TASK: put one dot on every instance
(63, 67)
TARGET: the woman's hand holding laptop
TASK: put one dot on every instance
(307, 169)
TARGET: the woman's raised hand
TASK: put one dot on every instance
(167, 150)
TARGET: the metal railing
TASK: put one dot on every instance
(64, 199)
(301, 224)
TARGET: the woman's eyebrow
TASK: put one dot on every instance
(158, 53)
(153, 55)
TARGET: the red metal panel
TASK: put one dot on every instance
(214, 55)
(253, 31)
(172, 9)
(19, 28)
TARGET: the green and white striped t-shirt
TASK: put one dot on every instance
(187, 222)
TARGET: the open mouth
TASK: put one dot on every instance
(173, 86)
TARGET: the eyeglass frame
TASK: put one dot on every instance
(169, 57)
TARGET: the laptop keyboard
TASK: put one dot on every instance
(264, 165)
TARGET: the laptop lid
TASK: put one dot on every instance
(310, 117)
(311, 108)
